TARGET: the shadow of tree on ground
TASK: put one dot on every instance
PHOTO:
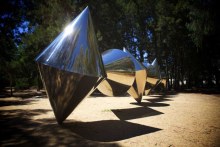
(19, 129)
(14, 103)
(23, 94)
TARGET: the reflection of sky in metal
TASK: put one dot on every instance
(75, 49)
(146, 64)
(154, 63)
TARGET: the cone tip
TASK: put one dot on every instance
(87, 8)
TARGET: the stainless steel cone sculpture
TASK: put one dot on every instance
(153, 77)
(162, 81)
(71, 66)
(120, 71)
(138, 87)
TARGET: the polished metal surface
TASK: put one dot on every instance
(163, 80)
(138, 87)
(75, 49)
(153, 75)
(120, 71)
(71, 66)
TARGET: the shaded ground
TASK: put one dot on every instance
(183, 119)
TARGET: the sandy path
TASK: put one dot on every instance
(170, 120)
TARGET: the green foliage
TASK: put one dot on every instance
(183, 35)
(21, 83)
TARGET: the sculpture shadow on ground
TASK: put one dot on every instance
(108, 130)
(159, 98)
(155, 100)
(134, 113)
(147, 104)
(18, 128)
(97, 94)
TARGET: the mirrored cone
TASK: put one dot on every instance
(138, 87)
(162, 81)
(161, 84)
(71, 66)
(75, 49)
(65, 89)
(153, 76)
(120, 73)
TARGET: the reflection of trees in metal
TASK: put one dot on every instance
(66, 89)
(71, 66)
(117, 65)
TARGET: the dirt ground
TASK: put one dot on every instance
(178, 119)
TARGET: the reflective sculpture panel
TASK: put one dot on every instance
(153, 75)
(162, 82)
(71, 66)
(120, 71)
(138, 87)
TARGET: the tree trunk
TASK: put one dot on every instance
(38, 82)
(11, 92)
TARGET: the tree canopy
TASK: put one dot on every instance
(182, 35)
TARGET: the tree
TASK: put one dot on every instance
(182, 35)
(11, 13)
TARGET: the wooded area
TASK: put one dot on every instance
(183, 35)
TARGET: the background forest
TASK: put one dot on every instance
(184, 35)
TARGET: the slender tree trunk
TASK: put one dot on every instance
(171, 81)
(11, 92)
(38, 83)
(167, 77)
(217, 77)
(189, 81)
